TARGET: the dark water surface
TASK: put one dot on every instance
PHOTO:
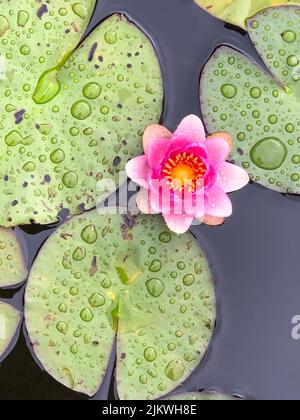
(255, 256)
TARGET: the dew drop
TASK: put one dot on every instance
(155, 287)
(181, 265)
(289, 36)
(171, 346)
(4, 25)
(296, 159)
(89, 234)
(255, 92)
(292, 61)
(48, 87)
(188, 280)
(165, 237)
(175, 370)
(155, 266)
(106, 282)
(272, 119)
(70, 179)
(110, 37)
(96, 300)
(29, 167)
(143, 379)
(62, 308)
(254, 24)
(228, 91)
(81, 110)
(290, 128)
(63, 11)
(57, 156)
(80, 10)
(74, 349)
(92, 90)
(74, 131)
(73, 291)
(104, 110)
(268, 153)
(86, 315)
(23, 18)
(62, 327)
(150, 354)
(79, 253)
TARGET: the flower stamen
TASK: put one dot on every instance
(184, 170)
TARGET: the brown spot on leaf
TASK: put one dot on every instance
(126, 228)
(66, 236)
(94, 267)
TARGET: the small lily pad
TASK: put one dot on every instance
(70, 116)
(201, 396)
(12, 264)
(237, 12)
(101, 277)
(260, 110)
(9, 322)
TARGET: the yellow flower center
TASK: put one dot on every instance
(185, 170)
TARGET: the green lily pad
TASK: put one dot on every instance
(237, 12)
(101, 277)
(12, 264)
(70, 117)
(9, 322)
(260, 110)
(201, 396)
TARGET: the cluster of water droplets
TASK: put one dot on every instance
(69, 117)
(260, 113)
(152, 279)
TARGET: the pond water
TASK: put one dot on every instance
(255, 256)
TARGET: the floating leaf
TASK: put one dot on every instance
(69, 119)
(102, 276)
(238, 11)
(9, 322)
(201, 396)
(12, 264)
(261, 112)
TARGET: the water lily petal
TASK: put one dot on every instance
(191, 127)
(143, 202)
(154, 132)
(217, 203)
(217, 149)
(138, 170)
(178, 223)
(212, 220)
(194, 206)
(232, 177)
(225, 136)
(156, 152)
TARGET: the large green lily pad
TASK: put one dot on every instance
(12, 264)
(70, 117)
(99, 277)
(260, 110)
(237, 12)
(201, 396)
(9, 321)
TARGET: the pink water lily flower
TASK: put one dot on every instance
(185, 176)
